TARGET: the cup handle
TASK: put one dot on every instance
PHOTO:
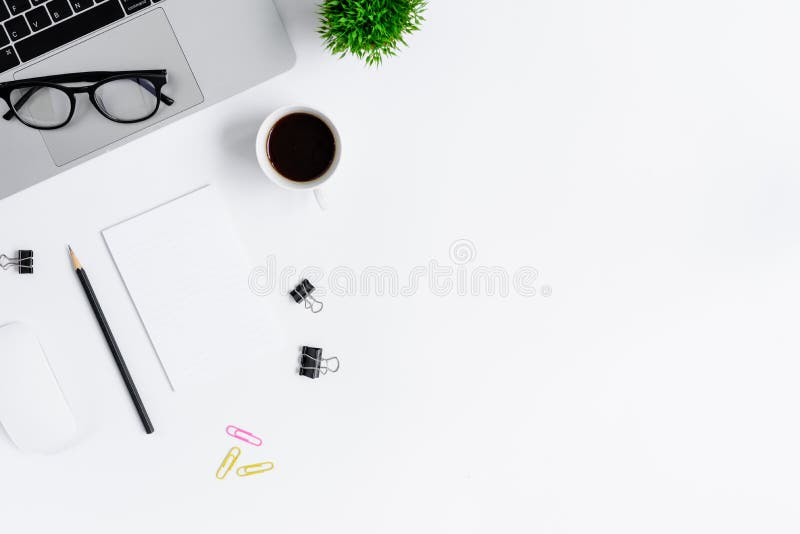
(320, 198)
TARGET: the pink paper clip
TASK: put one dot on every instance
(244, 435)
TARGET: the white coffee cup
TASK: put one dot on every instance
(273, 174)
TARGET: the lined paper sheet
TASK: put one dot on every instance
(187, 275)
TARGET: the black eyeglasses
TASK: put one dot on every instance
(124, 96)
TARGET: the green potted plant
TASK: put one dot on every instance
(369, 29)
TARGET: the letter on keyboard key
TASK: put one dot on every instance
(18, 6)
(72, 28)
(59, 9)
(80, 5)
(132, 6)
(38, 18)
(17, 28)
(8, 59)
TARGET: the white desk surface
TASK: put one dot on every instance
(642, 156)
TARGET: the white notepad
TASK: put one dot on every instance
(186, 272)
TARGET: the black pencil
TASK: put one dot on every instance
(112, 343)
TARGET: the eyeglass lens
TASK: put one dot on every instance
(41, 106)
(128, 99)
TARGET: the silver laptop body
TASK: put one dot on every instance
(211, 51)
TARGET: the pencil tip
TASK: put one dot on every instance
(75, 263)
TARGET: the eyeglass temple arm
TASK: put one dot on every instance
(30, 92)
(150, 89)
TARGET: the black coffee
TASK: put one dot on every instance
(301, 147)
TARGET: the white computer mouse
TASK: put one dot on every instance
(33, 410)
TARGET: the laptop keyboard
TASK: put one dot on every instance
(31, 28)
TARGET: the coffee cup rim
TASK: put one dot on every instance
(263, 158)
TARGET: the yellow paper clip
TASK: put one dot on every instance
(255, 469)
(227, 463)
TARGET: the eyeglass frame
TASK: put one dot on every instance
(157, 77)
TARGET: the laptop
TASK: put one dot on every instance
(210, 50)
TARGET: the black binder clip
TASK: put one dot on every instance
(302, 293)
(23, 262)
(312, 363)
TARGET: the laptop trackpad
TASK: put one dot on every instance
(146, 42)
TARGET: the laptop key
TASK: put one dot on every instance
(8, 59)
(73, 28)
(132, 6)
(17, 28)
(59, 9)
(38, 18)
(3, 37)
(4, 14)
(18, 6)
(80, 5)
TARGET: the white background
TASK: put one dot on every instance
(641, 154)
